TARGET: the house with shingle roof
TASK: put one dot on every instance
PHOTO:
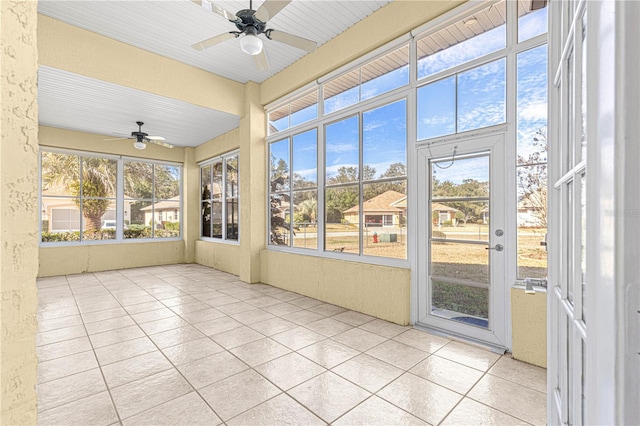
(386, 209)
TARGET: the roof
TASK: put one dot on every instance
(171, 203)
(381, 203)
(442, 207)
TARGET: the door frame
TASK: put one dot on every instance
(498, 338)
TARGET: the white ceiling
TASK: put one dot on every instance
(75, 102)
(169, 28)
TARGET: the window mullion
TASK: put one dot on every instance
(120, 200)
(223, 200)
(291, 199)
(361, 182)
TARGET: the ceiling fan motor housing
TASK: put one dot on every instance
(249, 24)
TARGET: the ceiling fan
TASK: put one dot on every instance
(142, 138)
(250, 24)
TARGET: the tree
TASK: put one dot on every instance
(532, 178)
(395, 170)
(307, 210)
(94, 188)
(94, 184)
(467, 210)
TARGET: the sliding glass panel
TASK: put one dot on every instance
(384, 141)
(532, 105)
(305, 160)
(385, 219)
(532, 19)
(279, 165)
(342, 149)
(279, 119)
(532, 221)
(304, 109)
(141, 219)
(468, 39)
(280, 219)
(305, 219)
(386, 73)
(437, 109)
(482, 96)
(342, 219)
(342, 91)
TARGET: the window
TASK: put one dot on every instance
(466, 101)
(219, 212)
(365, 208)
(80, 200)
(376, 77)
(470, 38)
(294, 113)
(532, 162)
(293, 191)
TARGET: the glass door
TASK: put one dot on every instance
(463, 253)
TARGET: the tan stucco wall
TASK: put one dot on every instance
(18, 212)
(529, 322)
(101, 257)
(218, 146)
(68, 139)
(253, 178)
(222, 256)
(380, 291)
(83, 52)
(105, 257)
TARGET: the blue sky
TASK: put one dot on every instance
(470, 100)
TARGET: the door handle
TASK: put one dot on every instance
(498, 247)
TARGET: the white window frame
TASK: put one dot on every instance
(409, 92)
(120, 159)
(210, 161)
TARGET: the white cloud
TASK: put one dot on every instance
(338, 148)
(533, 111)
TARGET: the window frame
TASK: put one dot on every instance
(509, 53)
(223, 197)
(119, 198)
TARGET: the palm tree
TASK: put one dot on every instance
(309, 209)
(94, 182)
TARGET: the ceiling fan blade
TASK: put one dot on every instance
(155, 138)
(292, 40)
(261, 61)
(211, 7)
(270, 8)
(205, 44)
(158, 142)
(116, 139)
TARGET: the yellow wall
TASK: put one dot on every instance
(222, 256)
(18, 212)
(529, 321)
(83, 52)
(381, 291)
(105, 257)
(101, 257)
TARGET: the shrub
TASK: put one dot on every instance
(447, 223)
(171, 226)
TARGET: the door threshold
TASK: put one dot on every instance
(501, 350)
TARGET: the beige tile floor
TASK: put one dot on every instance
(190, 345)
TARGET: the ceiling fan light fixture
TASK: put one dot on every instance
(251, 44)
(139, 145)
